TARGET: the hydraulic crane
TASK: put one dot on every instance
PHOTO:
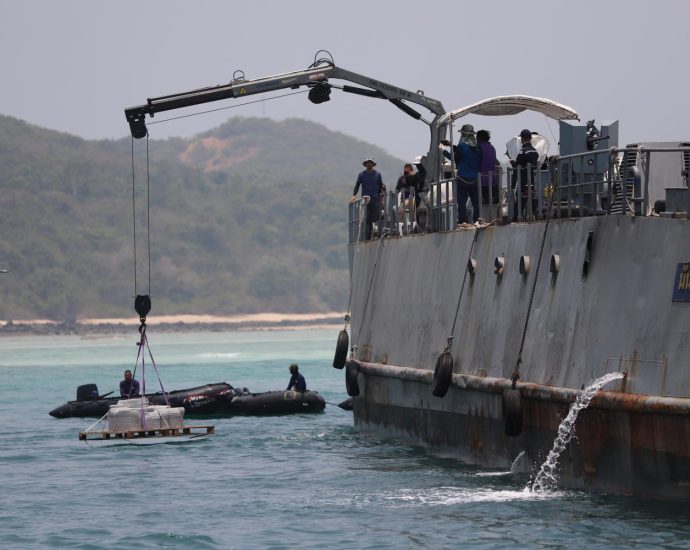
(318, 78)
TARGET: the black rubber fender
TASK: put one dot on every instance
(512, 412)
(443, 374)
(351, 371)
(341, 348)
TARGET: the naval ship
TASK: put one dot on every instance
(477, 338)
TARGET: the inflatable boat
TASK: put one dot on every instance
(211, 399)
(277, 402)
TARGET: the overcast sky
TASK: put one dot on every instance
(75, 65)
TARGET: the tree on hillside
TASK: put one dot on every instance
(249, 217)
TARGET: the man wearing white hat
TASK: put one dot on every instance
(372, 185)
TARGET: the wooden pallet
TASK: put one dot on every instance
(139, 434)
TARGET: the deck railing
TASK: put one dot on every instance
(595, 183)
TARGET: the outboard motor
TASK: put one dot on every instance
(87, 392)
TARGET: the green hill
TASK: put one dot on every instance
(249, 217)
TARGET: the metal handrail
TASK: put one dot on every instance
(443, 212)
(357, 219)
(575, 185)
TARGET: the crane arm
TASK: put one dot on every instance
(317, 78)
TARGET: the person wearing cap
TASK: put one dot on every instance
(411, 180)
(372, 185)
(297, 381)
(466, 155)
(488, 175)
(525, 166)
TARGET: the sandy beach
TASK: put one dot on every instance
(255, 318)
(254, 321)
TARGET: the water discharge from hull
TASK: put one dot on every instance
(521, 464)
(547, 478)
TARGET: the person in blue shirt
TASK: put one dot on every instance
(129, 387)
(466, 155)
(297, 381)
(372, 185)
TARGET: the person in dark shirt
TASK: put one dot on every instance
(525, 165)
(372, 185)
(411, 180)
(129, 387)
(297, 381)
(487, 167)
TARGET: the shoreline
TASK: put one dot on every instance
(175, 323)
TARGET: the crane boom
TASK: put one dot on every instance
(317, 78)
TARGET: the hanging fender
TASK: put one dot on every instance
(351, 372)
(512, 412)
(443, 374)
(341, 349)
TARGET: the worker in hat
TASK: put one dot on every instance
(524, 169)
(466, 155)
(297, 381)
(372, 186)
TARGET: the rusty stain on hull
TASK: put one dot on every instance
(529, 390)
(625, 444)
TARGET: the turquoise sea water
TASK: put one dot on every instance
(272, 482)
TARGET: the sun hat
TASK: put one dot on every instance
(467, 135)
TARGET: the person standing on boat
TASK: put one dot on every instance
(297, 381)
(466, 155)
(488, 174)
(372, 185)
(411, 180)
(129, 387)
(525, 166)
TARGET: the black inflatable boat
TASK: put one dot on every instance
(277, 402)
(211, 399)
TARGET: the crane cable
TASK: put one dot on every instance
(142, 302)
(224, 108)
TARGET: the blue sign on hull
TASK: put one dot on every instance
(681, 286)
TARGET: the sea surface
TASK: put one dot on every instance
(308, 481)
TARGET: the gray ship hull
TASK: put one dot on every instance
(608, 307)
